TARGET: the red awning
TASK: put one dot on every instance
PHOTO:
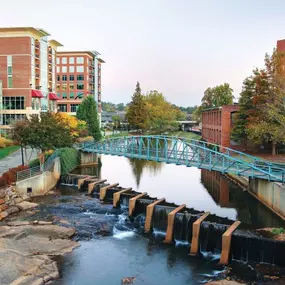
(37, 94)
(52, 96)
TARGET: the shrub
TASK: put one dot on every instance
(5, 142)
(69, 158)
(278, 231)
(10, 176)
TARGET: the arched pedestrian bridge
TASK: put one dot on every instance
(188, 152)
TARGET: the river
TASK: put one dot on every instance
(122, 250)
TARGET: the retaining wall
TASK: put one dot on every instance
(271, 194)
(42, 183)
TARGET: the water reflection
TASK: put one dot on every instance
(198, 189)
(138, 167)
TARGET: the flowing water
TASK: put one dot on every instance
(114, 246)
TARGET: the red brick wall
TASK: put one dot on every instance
(15, 45)
(281, 45)
(216, 125)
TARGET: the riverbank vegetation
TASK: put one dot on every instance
(261, 116)
(87, 112)
(152, 112)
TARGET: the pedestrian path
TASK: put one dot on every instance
(15, 159)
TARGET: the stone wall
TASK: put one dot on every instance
(271, 194)
(42, 183)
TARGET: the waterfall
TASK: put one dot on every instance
(141, 205)
(160, 217)
(69, 180)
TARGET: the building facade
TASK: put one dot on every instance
(27, 73)
(78, 76)
(217, 124)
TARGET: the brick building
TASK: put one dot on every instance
(217, 124)
(281, 45)
(27, 72)
(78, 75)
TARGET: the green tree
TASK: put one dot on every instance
(161, 114)
(87, 111)
(116, 120)
(120, 107)
(137, 112)
(42, 133)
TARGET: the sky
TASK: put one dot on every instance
(178, 47)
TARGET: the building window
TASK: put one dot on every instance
(80, 60)
(79, 95)
(64, 69)
(57, 60)
(35, 104)
(58, 94)
(71, 68)
(10, 81)
(79, 68)
(80, 77)
(64, 95)
(71, 77)
(58, 78)
(9, 119)
(64, 60)
(57, 87)
(62, 107)
(13, 103)
(71, 60)
(73, 108)
(80, 86)
(71, 86)
(58, 69)
(64, 87)
(71, 95)
(64, 77)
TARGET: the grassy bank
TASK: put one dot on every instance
(5, 151)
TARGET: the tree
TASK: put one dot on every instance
(161, 114)
(120, 107)
(87, 111)
(269, 126)
(117, 121)
(137, 110)
(42, 133)
(215, 97)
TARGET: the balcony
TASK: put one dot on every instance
(50, 69)
(37, 45)
(37, 75)
(37, 65)
(37, 55)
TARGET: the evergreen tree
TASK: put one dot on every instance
(137, 113)
(87, 111)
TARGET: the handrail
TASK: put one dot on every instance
(34, 171)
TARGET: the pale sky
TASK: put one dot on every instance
(179, 47)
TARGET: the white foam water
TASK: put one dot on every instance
(181, 243)
(158, 233)
(122, 234)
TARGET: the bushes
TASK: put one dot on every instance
(10, 176)
(5, 142)
(69, 158)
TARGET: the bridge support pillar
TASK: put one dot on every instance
(117, 195)
(226, 243)
(149, 214)
(170, 224)
(132, 203)
(91, 185)
(196, 233)
(104, 190)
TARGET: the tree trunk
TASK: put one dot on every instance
(273, 148)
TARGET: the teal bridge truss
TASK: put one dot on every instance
(188, 152)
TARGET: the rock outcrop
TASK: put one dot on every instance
(26, 248)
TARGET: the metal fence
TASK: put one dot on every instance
(34, 171)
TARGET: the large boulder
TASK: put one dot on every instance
(17, 268)
(23, 206)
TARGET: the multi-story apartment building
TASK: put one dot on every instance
(27, 72)
(78, 76)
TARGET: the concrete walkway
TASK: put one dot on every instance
(15, 159)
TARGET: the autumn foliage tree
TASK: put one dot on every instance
(261, 117)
